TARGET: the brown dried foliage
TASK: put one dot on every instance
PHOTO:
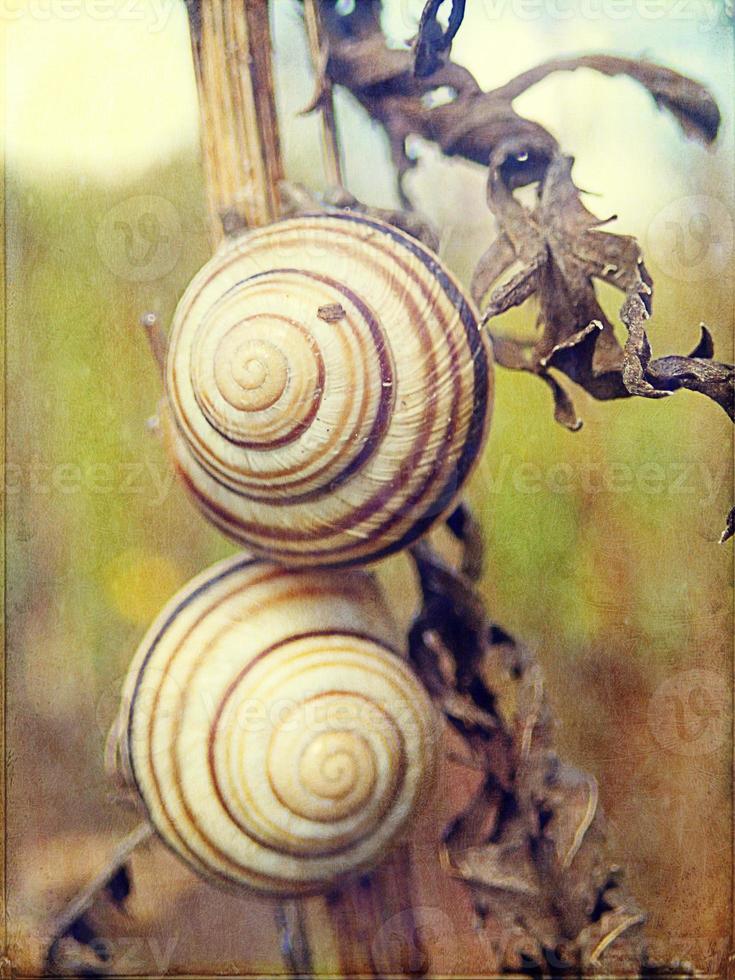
(531, 844)
(557, 241)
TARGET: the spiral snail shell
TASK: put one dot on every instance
(274, 733)
(328, 389)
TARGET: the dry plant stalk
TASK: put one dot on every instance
(231, 45)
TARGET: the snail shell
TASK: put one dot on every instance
(329, 389)
(274, 733)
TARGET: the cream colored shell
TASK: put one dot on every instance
(329, 389)
(275, 735)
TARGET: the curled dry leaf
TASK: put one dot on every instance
(468, 123)
(561, 250)
(530, 845)
(697, 372)
(690, 103)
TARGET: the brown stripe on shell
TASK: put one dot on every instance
(479, 418)
(270, 573)
(284, 226)
(481, 363)
(178, 844)
(201, 450)
(380, 499)
(304, 423)
(176, 770)
(332, 851)
(253, 533)
(380, 423)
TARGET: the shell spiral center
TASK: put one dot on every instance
(251, 374)
(336, 764)
(328, 771)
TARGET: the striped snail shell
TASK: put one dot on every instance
(273, 731)
(328, 389)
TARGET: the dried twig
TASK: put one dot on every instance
(359, 910)
(474, 122)
(323, 98)
(112, 883)
(156, 335)
(231, 45)
(295, 950)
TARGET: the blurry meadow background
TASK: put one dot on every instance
(602, 546)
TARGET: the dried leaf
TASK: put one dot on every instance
(562, 250)
(466, 529)
(382, 79)
(691, 104)
(597, 940)
(530, 845)
(474, 123)
(654, 378)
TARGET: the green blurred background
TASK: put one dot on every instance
(602, 545)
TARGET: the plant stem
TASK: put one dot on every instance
(231, 44)
(318, 47)
(295, 949)
(374, 924)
